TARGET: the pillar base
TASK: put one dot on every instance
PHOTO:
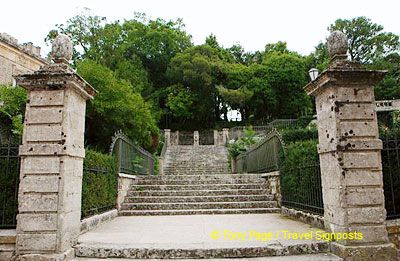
(387, 252)
(66, 256)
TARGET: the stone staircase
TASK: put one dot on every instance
(197, 180)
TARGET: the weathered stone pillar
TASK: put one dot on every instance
(167, 137)
(196, 138)
(225, 135)
(52, 152)
(216, 137)
(349, 152)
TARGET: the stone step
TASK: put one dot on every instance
(204, 192)
(176, 199)
(230, 176)
(193, 173)
(198, 211)
(304, 257)
(269, 250)
(199, 205)
(198, 187)
(197, 182)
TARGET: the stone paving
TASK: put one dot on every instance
(190, 237)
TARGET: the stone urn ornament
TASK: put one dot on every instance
(337, 44)
(62, 49)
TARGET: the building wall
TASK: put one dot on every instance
(17, 58)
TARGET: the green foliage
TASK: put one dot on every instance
(115, 107)
(235, 98)
(389, 87)
(285, 74)
(99, 189)
(13, 108)
(299, 134)
(367, 40)
(243, 143)
(179, 101)
(298, 172)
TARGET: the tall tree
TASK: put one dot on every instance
(367, 40)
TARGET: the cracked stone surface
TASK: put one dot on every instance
(189, 237)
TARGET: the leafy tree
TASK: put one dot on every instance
(286, 76)
(367, 40)
(198, 69)
(318, 59)
(12, 109)
(389, 87)
(115, 107)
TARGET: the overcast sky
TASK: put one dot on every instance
(252, 23)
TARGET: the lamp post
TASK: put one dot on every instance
(313, 73)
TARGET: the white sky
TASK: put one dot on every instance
(252, 23)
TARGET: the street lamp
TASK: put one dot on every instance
(313, 73)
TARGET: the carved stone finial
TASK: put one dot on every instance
(337, 44)
(61, 50)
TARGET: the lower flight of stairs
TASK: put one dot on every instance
(199, 194)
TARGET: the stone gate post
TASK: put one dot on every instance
(215, 133)
(52, 152)
(167, 137)
(196, 138)
(349, 151)
(225, 135)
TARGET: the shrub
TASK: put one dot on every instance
(299, 134)
(300, 176)
(243, 143)
(99, 185)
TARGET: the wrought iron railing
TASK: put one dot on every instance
(262, 157)
(132, 159)
(9, 181)
(237, 132)
(186, 138)
(107, 194)
(206, 137)
(301, 188)
(391, 176)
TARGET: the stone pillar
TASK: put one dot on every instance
(216, 137)
(167, 137)
(225, 135)
(196, 138)
(52, 153)
(349, 151)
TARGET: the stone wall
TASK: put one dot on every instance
(124, 183)
(393, 228)
(7, 243)
(273, 185)
(17, 59)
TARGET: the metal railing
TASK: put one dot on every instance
(9, 181)
(262, 157)
(391, 176)
(132, 159)
(185, 138)
(237, 132)
(206, 137)
(108, 195)
(301, 188)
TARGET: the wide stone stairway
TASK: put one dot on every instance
(197, 180)
(182, 215)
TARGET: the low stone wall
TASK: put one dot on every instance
(273, 184)
(393, 228)
(7, 243)
(93, 222)
(308, 218)
(124, 183)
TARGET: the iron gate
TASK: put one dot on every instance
(9, 181)
(206, 137)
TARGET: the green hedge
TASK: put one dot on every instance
(300, 177)
(299, 134)
(99, 185)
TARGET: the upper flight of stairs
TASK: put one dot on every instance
(197, 180)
